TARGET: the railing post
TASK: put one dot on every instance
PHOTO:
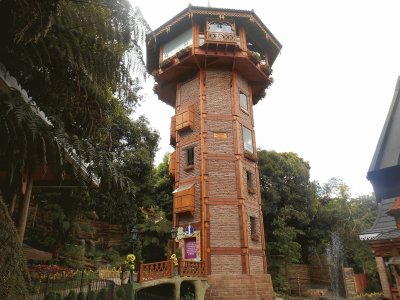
(171, 268)
(140, 275)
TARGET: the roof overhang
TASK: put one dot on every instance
(184, 19)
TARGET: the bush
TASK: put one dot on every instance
(92, 295)
(71, 296)
(102, 295)
(53, 296)
(81, 296)
(50, 296)
(120, 293)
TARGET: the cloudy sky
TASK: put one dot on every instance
(334, 80)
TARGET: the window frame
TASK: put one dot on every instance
(244, 141)
(189, 158)
(253, 228)
(244, 109)
(250, 182)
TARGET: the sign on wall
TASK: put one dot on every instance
(190, 248)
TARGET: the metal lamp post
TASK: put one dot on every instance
(173, 236)
(134, 234)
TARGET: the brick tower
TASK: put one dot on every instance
(213, 65)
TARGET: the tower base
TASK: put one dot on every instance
(240, 287)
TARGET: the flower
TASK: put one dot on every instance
(174, 259)
(130, 262)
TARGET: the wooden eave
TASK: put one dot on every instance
(183, 69)
(183, 20)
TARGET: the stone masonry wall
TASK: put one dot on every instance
(226, 264)
(190, 91)
(240, 287)
(218, 92)
(219, 145)
(224, 226)
(221, 178)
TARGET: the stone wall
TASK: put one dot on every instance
(240, 287)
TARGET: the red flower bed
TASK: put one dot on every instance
(54, 272)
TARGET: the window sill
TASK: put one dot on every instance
(251, 190)
(255, 237)
(189, 168)
(244, 111)
(250, 156)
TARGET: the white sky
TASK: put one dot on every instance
(334, 80)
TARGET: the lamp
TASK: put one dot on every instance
(173, 233)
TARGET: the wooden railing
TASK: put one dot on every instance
(192, 268)
(224, 37)
(165, 269)
(157, 270)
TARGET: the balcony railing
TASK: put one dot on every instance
(157, 270)
(225, 37)
(165, 269)
(192, 268)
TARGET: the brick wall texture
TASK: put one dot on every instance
(380, 265)
(224, 226)
(240, 287)
(221, 178)
(218, 92)
(226, 264)
(225, 185)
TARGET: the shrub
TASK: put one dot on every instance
(50, 296)
(92, 295)
(81, 296)
(102, 295)
(120, 293)
(71, 296)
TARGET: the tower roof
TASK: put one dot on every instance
(248, 18)
(384, 170)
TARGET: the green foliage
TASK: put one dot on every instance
(92, 295)
(90, 41)
(113, 256)
(71, 295)
(155, 231)
(163, 187)
(102, 295)
(53, 296)
(286, 202)
(300, 217)
(81, 296)
(120, 293)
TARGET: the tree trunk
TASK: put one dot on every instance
(24, 210)
(11, 208)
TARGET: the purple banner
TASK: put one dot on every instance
(190, 248)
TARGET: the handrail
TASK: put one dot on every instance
(165, 269)
(157, 270)
(192, 268)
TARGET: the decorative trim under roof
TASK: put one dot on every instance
(221, 13)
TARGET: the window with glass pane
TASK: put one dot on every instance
(243, 101)
(190, 156)
(247, 140)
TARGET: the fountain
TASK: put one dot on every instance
(334, 253)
